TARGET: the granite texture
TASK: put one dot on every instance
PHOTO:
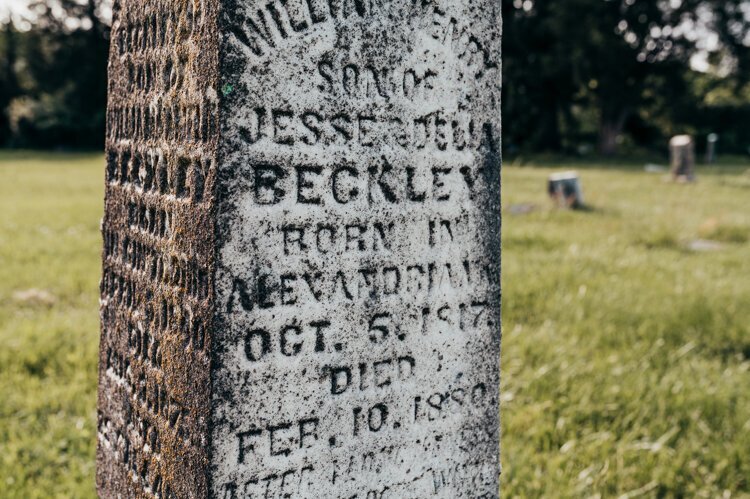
(301, 290)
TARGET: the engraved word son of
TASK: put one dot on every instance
(301, 269)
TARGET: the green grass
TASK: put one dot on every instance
(626, 356)
(50, 206)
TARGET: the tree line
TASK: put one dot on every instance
(53, 76)
(578, 75)
(613, 75)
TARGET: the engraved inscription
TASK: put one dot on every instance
(162, 131)
(358, 274)
(300, 292)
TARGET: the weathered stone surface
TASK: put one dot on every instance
(159, 250)
(565, 190)
(301, 291)
(682, 158)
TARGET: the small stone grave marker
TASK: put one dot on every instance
(711, 141)
(682, 158)
(565, 190)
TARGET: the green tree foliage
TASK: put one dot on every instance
(60, 66)
(579, 70)
(8, 81)
(576, 72)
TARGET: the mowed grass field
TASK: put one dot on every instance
(626, 355)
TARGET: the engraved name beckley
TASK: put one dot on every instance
(357, 282)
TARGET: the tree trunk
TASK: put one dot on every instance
(8, 80)
(548, 134)
(609, 130)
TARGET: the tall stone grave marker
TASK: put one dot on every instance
(682, 158)
(301, 277)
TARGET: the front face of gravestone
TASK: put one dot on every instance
(356, 342)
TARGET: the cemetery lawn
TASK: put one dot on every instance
(626, 354)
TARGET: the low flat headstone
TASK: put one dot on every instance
(682, 158)
(301, 270)
(652, 168)
(704, 245)
(522, 208)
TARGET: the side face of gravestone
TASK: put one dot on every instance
(357, 332)
(156, 290)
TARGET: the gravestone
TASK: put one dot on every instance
(682, 158)
(301, 268)
(565, 190)
(711, 141)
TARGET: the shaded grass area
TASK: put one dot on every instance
(626, 363)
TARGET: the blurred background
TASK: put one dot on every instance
(626, 354)
(580, 76)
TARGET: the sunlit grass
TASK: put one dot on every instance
(626, 355)
(50, 206)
